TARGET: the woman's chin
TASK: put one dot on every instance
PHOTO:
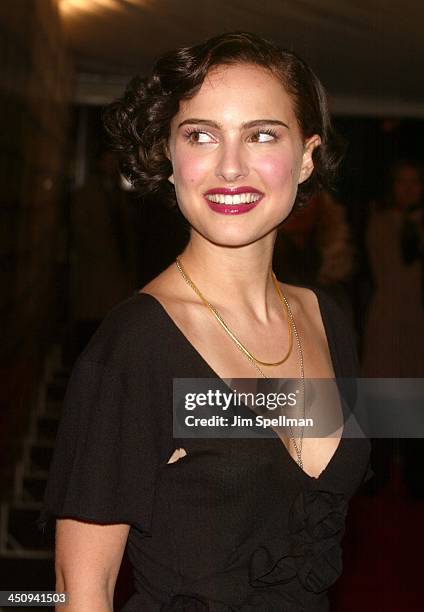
(234, 239)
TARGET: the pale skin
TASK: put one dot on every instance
(214, 143)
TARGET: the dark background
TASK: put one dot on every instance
(61, 63)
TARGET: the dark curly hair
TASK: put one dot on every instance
(138, 124)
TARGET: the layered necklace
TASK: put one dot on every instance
(257, 363)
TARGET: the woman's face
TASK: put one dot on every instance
(238, 155)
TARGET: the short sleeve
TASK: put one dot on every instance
(107, 451)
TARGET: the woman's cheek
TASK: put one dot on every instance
(192, 170)
(277, 172)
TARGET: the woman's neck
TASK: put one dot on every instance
(235, 277)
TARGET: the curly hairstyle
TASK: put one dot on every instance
(138, 124)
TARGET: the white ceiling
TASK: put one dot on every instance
(370, 55)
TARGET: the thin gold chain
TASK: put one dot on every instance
(297, 448)
(228, 330)
(253, 360)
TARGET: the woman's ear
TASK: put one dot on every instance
(307, 161)
(168, 155)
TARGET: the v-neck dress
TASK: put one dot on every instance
(235, 524)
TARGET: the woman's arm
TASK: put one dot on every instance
(88, 558)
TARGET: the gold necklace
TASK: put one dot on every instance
(253, 360)
(221, 321)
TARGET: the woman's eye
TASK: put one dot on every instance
(197, 137)
(264, 136)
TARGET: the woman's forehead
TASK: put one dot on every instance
(239, 90)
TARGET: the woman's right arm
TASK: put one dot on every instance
(87, 561)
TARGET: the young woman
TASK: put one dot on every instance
(235, 131)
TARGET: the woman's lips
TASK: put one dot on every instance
(233, 190)
(233, 201)
(231, 209)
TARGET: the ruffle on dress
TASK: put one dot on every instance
(312, 553)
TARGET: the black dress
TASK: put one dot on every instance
(234, 524)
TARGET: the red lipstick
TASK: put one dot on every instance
(233, 201)
(233, 190)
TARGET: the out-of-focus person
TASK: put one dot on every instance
(102, 247)
(313, 247)
(394, 329)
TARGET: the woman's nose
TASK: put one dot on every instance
(231, 163)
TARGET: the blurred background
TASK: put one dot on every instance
(75, 240)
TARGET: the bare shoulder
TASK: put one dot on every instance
(310, 325)
(175, 296)
(157, 284)
(303, 303)
(164, 287)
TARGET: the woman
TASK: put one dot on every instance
(394, 330)
(237, 130)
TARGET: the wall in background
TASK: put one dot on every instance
(36, 86)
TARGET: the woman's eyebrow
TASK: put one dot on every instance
(247, 124)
